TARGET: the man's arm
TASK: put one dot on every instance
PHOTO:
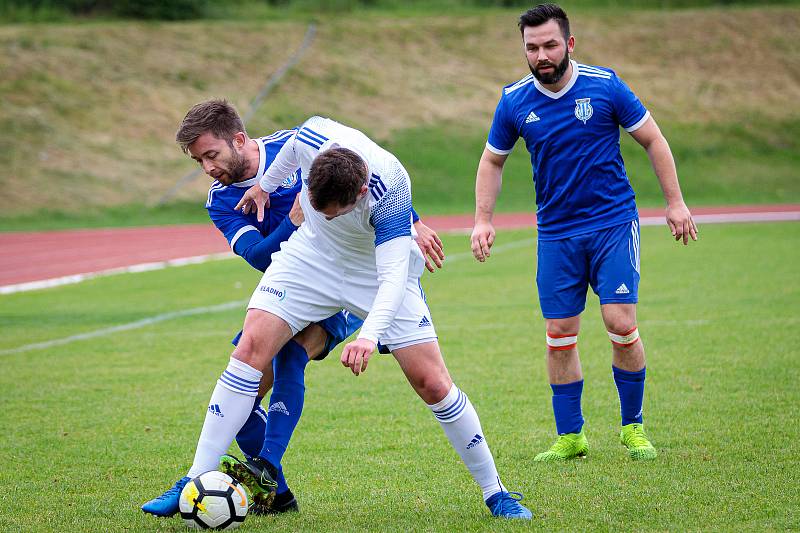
(679, 219)
(283, 166)
(487, 188)
(257, 250)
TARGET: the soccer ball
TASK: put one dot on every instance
(213, 500)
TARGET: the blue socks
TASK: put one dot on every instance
(251, 437)
(630, 386)
(567, 407)
(285, 404)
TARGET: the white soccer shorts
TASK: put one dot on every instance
(304, 285)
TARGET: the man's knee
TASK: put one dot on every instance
(562, 336)
(433, 388)
(312, 339)
(251, 352)
(619, 318)
(425, 370)
(262, 337)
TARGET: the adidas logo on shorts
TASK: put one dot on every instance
(622, 289)
(424, 323)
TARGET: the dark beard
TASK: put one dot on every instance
(237, 168)
(553, 77)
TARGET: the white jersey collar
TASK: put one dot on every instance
(564, 90)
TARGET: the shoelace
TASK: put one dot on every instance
(176, 488)
(562, 444)
(637, 437)
(509, 504)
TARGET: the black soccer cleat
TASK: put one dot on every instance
(284, 502)
(257, 474)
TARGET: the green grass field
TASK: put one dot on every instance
(92, 428)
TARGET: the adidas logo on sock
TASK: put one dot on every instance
(531, 118)
(424, 323)
(477, 439)
(279, 407)
(622, 289)
(214, 408)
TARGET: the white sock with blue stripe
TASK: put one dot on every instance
(463, 428)
(230, 405)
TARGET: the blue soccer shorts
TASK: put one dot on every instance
(606, 259)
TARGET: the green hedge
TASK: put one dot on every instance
(137, 9)
(48, 10)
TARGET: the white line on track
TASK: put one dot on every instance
(719, 218)
(141, 267)
(198, 310)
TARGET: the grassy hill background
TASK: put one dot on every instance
(89, 109)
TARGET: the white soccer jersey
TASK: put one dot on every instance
(376, 236)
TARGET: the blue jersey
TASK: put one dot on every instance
(573, 138)
(256, 241)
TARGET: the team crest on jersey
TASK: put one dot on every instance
(583, 109)
(289, 182)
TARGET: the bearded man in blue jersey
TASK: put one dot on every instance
(569, 115)
(213, 134)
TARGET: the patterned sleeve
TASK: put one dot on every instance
(503, 134)
(391, 212)
(630, 112)
(230, 223)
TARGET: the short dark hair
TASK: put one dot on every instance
(541, 14)
(336, 178)
(215, 116)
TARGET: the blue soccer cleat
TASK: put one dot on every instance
(167, 503)
(506, 505)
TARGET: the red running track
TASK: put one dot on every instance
(34, 256)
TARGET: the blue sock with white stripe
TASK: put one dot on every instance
(567, 407)
(286, 401)
(630, 387)
(460, 423)
(230, 406)
(251, 437)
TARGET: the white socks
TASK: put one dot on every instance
(463, 428)
(229, 407)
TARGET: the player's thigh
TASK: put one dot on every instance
(614, 260)
(562, 277)
(298, 289)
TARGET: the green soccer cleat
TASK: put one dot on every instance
(639, 447)
(256, 474)
(567, 446)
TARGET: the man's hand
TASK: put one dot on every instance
(680, 222)
(255, 199)
(430, 244)
(296, 215)
(356, 355)
(482, 240)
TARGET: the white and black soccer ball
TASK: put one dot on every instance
(213, 500)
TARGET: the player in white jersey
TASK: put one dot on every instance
(356, 252)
